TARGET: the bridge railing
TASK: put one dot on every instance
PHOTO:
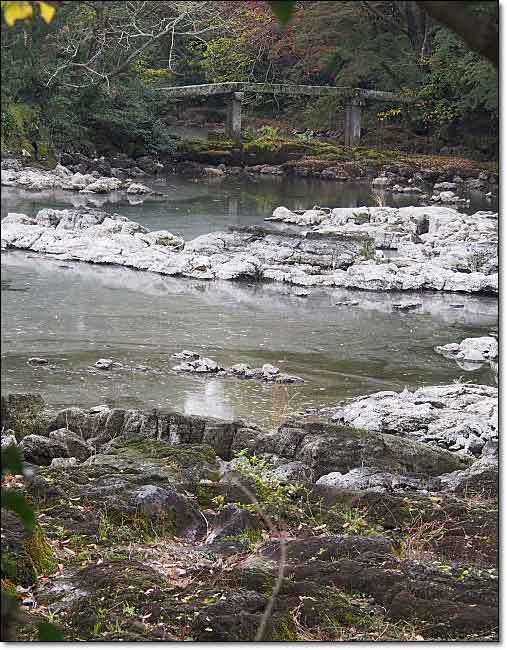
(229, 87)
(234, 91)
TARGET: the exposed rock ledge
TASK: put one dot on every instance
(30, 178)
(337, 253)
(137, 510)
(458, 417)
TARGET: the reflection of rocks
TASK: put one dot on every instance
(406, 306)
(459, 417)
(37, 361)
(194, 363)
(475, 310)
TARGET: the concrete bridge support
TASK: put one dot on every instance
(233, 122)
(353, 122)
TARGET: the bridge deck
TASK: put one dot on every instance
(206, 90)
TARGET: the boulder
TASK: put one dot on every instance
(104, 364)
(480, 479)
(8, 440)
(458, 417)
(372, 479)
(63, 463)
(327, 448)
(138, 188)
(231, 522)
(76, 446)
(455, 252)
(104, 185)
(40, 450)
(294, 472)
(382, 182)
(479, 349)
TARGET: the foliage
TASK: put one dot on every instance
(14, 11)
(17, 503)
(89, 77)
(12, 499)
(223, 61)
(275, 498)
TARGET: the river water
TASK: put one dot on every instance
(74, 314)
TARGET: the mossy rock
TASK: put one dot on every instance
(22, 412)
(103, 590)
(25, 554)
(186, 461)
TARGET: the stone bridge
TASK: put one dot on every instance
(234, 92)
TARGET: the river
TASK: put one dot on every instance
(73, 314)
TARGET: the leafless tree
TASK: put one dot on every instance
(107, 37)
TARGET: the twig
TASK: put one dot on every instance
(281, 565)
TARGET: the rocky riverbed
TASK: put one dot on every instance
(159, 526)
(380, 511)
(382, 249)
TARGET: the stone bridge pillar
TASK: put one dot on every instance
(233, 121)
(353, 122)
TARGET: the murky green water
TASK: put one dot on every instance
(73, 314)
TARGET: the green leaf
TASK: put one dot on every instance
(11, 461)
(16, 502)
(49, 632)
(283, 9)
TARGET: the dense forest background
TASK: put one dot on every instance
(90, 79)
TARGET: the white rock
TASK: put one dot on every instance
(104, 364)
(482, 348)
(104, 185)
(138, 188)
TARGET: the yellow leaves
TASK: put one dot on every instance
(14, 11)
(47, 11)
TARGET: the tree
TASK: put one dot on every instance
(477, 29)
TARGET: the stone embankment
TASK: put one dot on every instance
(371, 248)
(159, 519)
(435, 179)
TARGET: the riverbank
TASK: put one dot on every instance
(271, 153)
(364, 542)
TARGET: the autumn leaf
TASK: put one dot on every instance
(14, 11)
(47, 11)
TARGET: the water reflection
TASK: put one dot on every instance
(209, 400)
(192, 207)
(74, 315)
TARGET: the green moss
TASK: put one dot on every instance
(285, 630)
(41, 552)
(125, 528)
(249, 535)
